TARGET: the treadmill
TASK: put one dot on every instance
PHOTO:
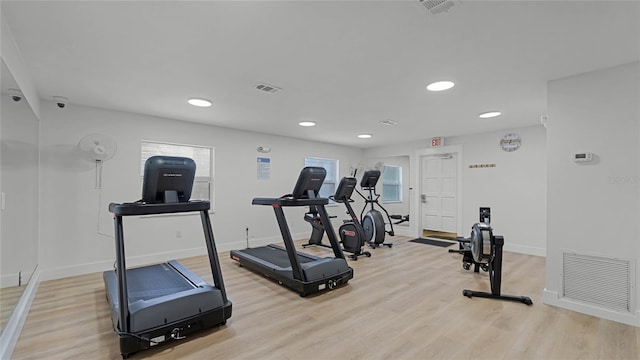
(304, 273)
(157, 303)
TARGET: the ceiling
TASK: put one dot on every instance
(347, 65)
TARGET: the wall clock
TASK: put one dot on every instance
(510, 142)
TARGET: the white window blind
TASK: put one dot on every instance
(202, 155)
(330, 181)
(391, 184)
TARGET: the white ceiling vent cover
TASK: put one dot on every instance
(437, 6)
(268, 88)
(605, 282)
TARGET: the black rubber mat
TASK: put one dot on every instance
(433, 242)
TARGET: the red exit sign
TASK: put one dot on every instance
(437, 142)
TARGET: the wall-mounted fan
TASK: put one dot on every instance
(98, 148)
(354, 169)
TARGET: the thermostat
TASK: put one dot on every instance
(583, 157)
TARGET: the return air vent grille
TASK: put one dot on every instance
(437, 6)
(268, 88)
(605, 282)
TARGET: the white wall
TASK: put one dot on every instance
(593, 208)
(19, 170)
(12, 57)
(515, 189)
(77, 229)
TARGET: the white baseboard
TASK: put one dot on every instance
(13, 327)
(7, 280)
(404, 231)
(255, 242)
(524, 249)
(553, 298)
(87, 268)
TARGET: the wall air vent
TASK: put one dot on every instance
(600, 281)
(437, 6)
(268, 88)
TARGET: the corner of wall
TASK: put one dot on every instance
(553, 298)
(12, 57)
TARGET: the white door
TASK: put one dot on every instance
(439, 192)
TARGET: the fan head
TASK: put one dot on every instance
(97, 147)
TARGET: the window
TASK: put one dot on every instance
(330, 181)
(391, 184)
(202, 155)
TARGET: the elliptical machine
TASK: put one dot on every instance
(373, 222)
(350, 232)
(484, 251)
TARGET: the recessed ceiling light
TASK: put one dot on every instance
(440, 86)
(199, 102)
(364, 136)
(307, 123)
(489, 114)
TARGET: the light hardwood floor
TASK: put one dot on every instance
(403, 303)
(9, 297)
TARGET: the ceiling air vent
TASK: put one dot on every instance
(389, 122)
(268, 88)
(437, 6)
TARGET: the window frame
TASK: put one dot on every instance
(396, 183)
(336, 167)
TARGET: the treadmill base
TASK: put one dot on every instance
(132, 343)
(285, 277)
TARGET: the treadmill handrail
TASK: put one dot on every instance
(128, 209)
(288, 201)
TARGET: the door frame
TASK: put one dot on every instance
(417, 179)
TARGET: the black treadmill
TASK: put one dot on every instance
(162, 302)
(304, 273)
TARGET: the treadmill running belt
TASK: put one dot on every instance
(154, 281)
(275, 256)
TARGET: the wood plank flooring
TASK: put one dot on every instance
(403, 303)
(9, 297)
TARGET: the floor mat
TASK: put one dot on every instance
(433, 242)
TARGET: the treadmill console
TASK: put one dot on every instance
(168, 179)
(345, 189)
(370, 179)
(309, 182)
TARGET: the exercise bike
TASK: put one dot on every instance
(484, 251)
(373, 222)
(350, 232)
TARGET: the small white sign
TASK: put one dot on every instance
(264, 168)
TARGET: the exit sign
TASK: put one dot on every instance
(437, 142)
